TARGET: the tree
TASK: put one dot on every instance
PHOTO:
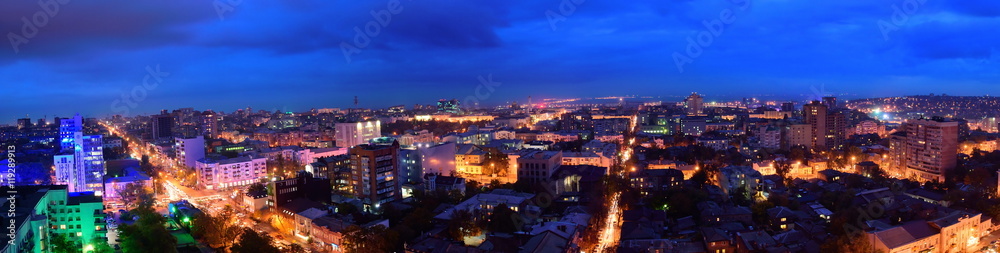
(256, 188)
(217, 230)
(373, 239)
(60, 244)
(782, 167)
(253, 242)
(420, 219)
(295, 248)
(495, 162)
(464, 223)
(346, 208)
(101, 245)
(148, 234)
(504, 220)
(135, 194)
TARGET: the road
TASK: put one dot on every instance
(209, 201)
(611, 233)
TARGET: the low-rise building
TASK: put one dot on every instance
(239, 171)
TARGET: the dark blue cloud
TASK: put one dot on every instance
(288, 55)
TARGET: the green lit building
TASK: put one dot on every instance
(41, 210)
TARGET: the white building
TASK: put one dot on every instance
(357, 133)
(239, 171)
(189, 151)
(81, 165)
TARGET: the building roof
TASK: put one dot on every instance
(905, 234)
(312, 213)
(756, 240)
(545, 242)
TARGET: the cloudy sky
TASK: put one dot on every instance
(91, 56)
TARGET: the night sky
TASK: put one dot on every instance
(288, 55)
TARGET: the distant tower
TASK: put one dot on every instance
(693, 104)
(530, 106)
(355, 101)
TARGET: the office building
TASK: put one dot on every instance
(437, 158)
(931, 148)
(23, 123)
(375, 174)
(788, 107)
(693, 105)
(81, 163)
(356, 133)
(162, 125)
(68, 128)
(239, 171)
(536, 166)
(189, 150)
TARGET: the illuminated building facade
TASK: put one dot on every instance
(357, 133)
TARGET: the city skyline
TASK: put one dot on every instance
(291, 56)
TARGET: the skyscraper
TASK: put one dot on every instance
(81, 163)
(931, 148)
(375, 177)
(694, 104)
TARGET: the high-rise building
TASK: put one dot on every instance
(815, 115)
(931, 148)
(787, 107)
(797, 135)
(81, 163)
(375, 177)
(210, 124)
(895, 164)
(68, 127)
(356, 133)
(836, 129)
(189, 150)
(23, 123)
(830, 102)
(694, 104)
(162, 126)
